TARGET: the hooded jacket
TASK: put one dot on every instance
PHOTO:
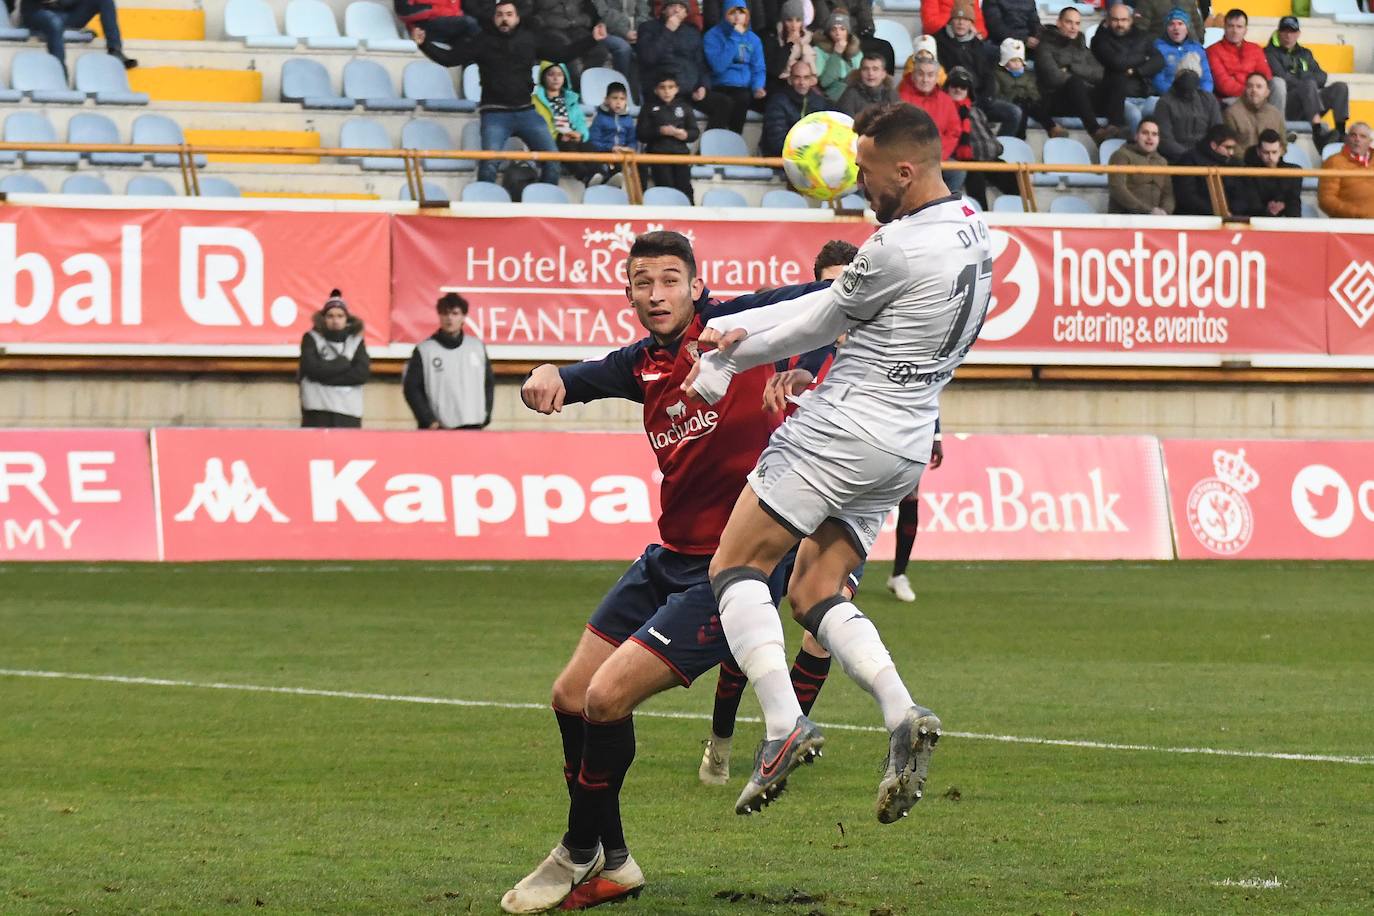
(1251, 196)
(577, 119)
(1249, 122)
(1184, 117)
(1152, 15)
(857, 96)
(784, 109)
(735, 58)
(693, 13)
(1293, 66)
(1056, 52)
(1133, 51)
(1232, 65)
(334, 367)
(504, 61)
(1173, 55)
(833, 68)
(1348, 198)
(660, 48)
(1134, 192)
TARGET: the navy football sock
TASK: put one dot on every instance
(594, 814)
(573, 729)
(729, 692)
(906, 535)
(808, 677)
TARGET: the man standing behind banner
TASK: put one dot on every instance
(334, 367)
(448, 381)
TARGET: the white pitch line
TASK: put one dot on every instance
(697, 717)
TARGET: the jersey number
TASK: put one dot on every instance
(966, 290)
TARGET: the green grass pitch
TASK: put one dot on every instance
(120, 797)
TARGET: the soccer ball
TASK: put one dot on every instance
(818, 155)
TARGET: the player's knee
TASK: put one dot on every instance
(607, 701)
(569, 693)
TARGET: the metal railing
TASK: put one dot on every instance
(413, 165)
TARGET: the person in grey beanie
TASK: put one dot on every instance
(334, 367)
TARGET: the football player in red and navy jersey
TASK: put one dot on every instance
(657, 627)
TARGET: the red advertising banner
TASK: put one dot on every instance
(1350, 294)
(1133, 290)
(186, 277)
(76, 495)
(1042, 498)
(1270, 499)
(301, 494)
(542, 282)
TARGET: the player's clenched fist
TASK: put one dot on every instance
(713, 339)
(543, 390)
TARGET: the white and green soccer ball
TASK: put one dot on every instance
(819, 155)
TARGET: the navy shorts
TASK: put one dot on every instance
(664, 602)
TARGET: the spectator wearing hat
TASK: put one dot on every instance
(838, 53)
(1136, 191)
(1350, 198)
(1019, 87)
(1152, 16)
(561, 109)
(958, 45)
(657, 8)
(789, 42)
(713, 13)
(1129, 61)
(1176, 47)
(672, 41)
(799, 99)
(1216, 149)
(734, 55)
(1308, 95)
(1268, 196)
(977, 140)
(666, 125)
(1252, 114)
(448, 381)
(1018, 19)
(923, 48)
(935, 15)
(334, 367)
(1070, 76)
(1184, 113)
(869, 85)
(1233, 59)
(923, 90)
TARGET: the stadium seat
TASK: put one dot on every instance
(1331, 149)
(85, 184)
(12, 33)
(1067, 151)
(593, 88)
(472, 85)
(1008, 203)
(429, 84)
(366, 81)
(89, 127)
(665, 197)
(606, 194)
(433, 193)
(102, 75)
(901, 6)
(218, 187)
(421, 133)
(1354, 18)
(149, 186)
(1015, 149)
(1298, 127)
(254, 23)
(365, 133)
(1211, 35)
(1297, 155)
(895, 34)
(1089, 30)
(34, 127)
(1104, 152)
(1334, 7)
(1070, 205)
(7, 94)
(541, 193)
(306, 81)
(1309, 210)
(484, 192)
(313, 22)
(38, 75)
(155, 129)
(375, 26)
(723, 197)
(778, 199)
(721, 142)
(19, 183)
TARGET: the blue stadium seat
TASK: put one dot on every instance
(420, 133)
(779, 199)
(853, 201)
(155, 129)
(541, 193)
(1297, 155)
(1211, 35)
(366, 81)
(895, 34)
(313, 22)
(472, 85)
(306, 81)
(721, 142)
(1067, 151)
(605, 194)
(433, 193)
(1071, 205)
(149, 186)
(376, 27)
(19, 183)
(665, 197)
(1331, 149)
(81, 183)
(723, 197)
(38, 75)
(11, 33)
(102, 75)
(429, 84)
(484, 192)
(253, 22)
(34, 127)
(89, 127)
(365, 133)
(1015, 149)
(7, 94)
(218, 187)
(1104, 152)
(1008, 203)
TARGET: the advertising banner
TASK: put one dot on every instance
(76, 494)
(1350, 294)
(186, 277)
(546, 282)
(1271, 499)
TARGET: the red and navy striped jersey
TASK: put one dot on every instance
(705, 451)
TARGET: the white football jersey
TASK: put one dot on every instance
(917, 294)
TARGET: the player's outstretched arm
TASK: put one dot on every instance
(544, 390)
(549, 387)
(755, 318)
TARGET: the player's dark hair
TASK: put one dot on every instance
(448, 302)
(663, 244)
(834, 253)
(900, 124)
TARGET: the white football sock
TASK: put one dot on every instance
(754, 631)
(853, 639)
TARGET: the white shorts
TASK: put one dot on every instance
(807, 475)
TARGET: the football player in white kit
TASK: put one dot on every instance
(911, 303)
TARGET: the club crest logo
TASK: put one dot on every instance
(1219, 515)
(693, 350)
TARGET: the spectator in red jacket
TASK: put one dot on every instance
(1233, 59)
(923, 90)
(935, 16)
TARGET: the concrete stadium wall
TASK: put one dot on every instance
(1183, 410)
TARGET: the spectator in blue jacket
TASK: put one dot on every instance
(734, 55)
(613, 130)
(1173, 47)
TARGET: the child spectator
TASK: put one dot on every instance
(561, 109)
(1020, 88)
(667, 125)
(613, 130)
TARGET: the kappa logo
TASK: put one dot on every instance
(1015, 288)
(1219, 515)
(1322, 501)
(222, 280)
(236, 497)
(1354, 290)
